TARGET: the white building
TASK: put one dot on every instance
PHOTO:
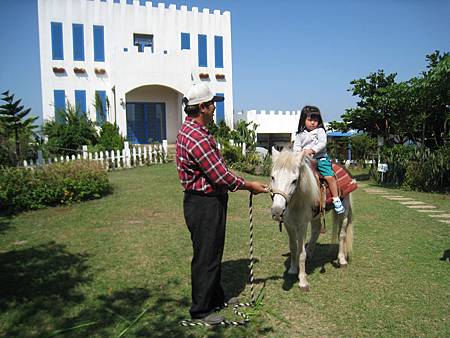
(134, 59)
(275, 127)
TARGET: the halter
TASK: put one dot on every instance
(274, 192)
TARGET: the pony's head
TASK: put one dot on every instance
(291, 176)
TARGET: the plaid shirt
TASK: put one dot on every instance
(200, 165)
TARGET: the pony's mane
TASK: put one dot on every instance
(286, 160)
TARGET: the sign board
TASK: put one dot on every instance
(382, 167)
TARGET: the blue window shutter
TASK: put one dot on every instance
(57, 41)
(101, 113)
(202, 51)
(129, 2)
(185, 41)
(78, 42)
(80, 100)
(218, 50)
(59, 101)
(220, 110)
(99, 43)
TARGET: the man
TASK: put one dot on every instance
(206, 181)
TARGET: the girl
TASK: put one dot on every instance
(312, 139)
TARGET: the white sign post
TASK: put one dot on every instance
(382, 168)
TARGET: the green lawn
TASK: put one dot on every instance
(106, 263)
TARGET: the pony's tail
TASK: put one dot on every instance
(349, 232)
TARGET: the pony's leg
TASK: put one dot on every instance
(302, 282)
(292, 234)
(342, 255)
(315, 232)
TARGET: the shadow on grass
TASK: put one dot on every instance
(236, 276)
(323, 254)
(361, 177)
(37, 283)
(135, 312)
(4, 224)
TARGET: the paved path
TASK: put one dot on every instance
(419, 206)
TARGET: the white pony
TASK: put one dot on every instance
(295, 196)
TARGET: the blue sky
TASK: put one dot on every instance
(286, 53)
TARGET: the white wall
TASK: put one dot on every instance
(272, 121)
(125, 71)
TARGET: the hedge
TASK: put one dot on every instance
(50, 185)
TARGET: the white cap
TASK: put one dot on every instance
(200, 93)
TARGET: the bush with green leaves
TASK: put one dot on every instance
(110, 137)
(417, 168)
(50, 185)
(429, 171)
(68, 137)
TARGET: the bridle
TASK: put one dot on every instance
(274, 192)
(287, 197)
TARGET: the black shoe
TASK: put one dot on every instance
(233, 301)
(211, 319)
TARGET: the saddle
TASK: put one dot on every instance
(345, 182)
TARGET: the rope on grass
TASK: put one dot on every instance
(246, 318)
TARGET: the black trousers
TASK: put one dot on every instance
(206, 219)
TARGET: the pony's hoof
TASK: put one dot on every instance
(304, 288)
(343, 266)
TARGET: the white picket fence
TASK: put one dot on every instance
(129, 157)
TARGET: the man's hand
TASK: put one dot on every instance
(256, 187)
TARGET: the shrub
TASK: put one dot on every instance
(59, 183)
(418, 169)
(75, 130)
(231, 153)
(110, 138)
(429, 171)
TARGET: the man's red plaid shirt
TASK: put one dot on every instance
(200, 165)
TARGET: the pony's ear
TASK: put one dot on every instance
(275, 154)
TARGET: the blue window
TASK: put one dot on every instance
(99, 43)
(202, 51)
(218, 50)
(78, 42)
(129, 2)
(57, 41)
(142, 2)
(117, 1)
(185, 41)
(100, 106)
(80, 101)
(220, 110)
(143, 41)
(59, 101)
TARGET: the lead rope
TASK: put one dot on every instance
(246, 318)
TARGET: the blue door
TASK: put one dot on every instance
(146, 122)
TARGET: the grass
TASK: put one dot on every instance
(121, 265)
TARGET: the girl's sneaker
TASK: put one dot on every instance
(338, 207)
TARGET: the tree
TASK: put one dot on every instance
(245, 132)
(364, 147)
(414, 110)
(370, 115)
(15, 123)
(338, 126)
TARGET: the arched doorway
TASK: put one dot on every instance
(152, 114)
